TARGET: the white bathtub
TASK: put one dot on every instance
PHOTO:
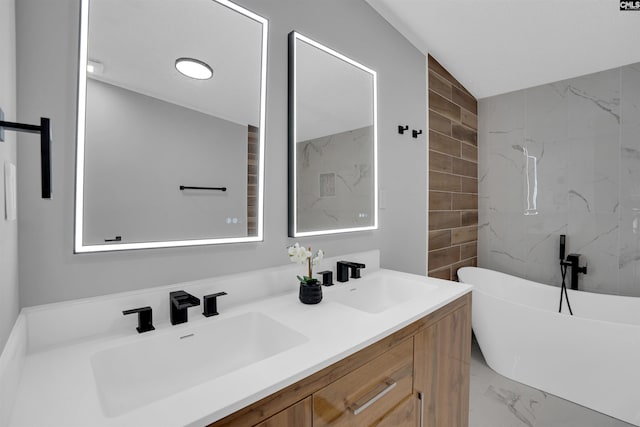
(592, 358)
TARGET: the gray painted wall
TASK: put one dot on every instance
(9, 302)
(47, 45)
(139, 150)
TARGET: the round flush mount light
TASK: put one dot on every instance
(193, 68)
(95, 67)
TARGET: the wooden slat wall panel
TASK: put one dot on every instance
(252, 180)
(453, 174)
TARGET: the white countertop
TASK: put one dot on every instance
(57, 385)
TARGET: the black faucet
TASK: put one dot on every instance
(327, 277)
(342, 270)
(210, 304)
(145, 318)
(179, 301)
(573, 261)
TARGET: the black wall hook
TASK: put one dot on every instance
(401, 129)
(45, 146)
(415, 133)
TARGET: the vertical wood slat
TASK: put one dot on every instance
(453, 174)
(252, 179)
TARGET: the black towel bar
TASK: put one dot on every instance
(185, 187)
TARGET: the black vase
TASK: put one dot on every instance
(310, 292)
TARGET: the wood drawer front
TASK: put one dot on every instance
(334, 405)
(298, 415)
(404, 414)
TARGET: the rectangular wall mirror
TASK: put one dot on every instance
(333, 172)
(171, 118)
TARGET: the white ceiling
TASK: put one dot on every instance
(498, 46)
(332, 95)
(139, 41)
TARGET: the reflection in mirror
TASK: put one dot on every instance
(171, 110)
(333, 177)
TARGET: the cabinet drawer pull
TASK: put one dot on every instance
(421, 397)
(356, 408)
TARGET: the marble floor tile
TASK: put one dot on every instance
(496, 401)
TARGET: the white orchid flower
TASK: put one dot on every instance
(298, 254)
(301, 255)
(318, 258)
(292, 250)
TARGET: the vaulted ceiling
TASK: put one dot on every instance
(498, 46)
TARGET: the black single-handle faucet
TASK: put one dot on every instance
(342, 270)
(210, 304)
(573, 261)
(179, 301)
(327, 277)
(145, 318)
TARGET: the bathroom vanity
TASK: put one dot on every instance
(389, 348)
(418, 375)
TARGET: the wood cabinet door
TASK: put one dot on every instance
(298, 415)
(442, 362)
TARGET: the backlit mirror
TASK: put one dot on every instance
(333, 175)
(171, 112)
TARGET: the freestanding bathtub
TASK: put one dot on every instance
(591, 358)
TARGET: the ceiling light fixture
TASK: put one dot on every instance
(95, 67)
(193, 68)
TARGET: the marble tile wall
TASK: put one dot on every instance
(563, 158)
(453, 174)
(335, 178)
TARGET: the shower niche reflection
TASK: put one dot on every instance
(333, 175)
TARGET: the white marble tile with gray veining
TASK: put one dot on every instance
(542, 251)
(594, 180)
(547, 112)
(506, 246)
(496, 401)
(629, 256)
(548, 175)
(593, 103)
(334, 190)
(568, 162)
(594, 136)
(596, 238)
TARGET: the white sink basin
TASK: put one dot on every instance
(157, 366)
(379, 293)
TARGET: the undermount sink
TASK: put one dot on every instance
(157, 366)
(379, 293)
